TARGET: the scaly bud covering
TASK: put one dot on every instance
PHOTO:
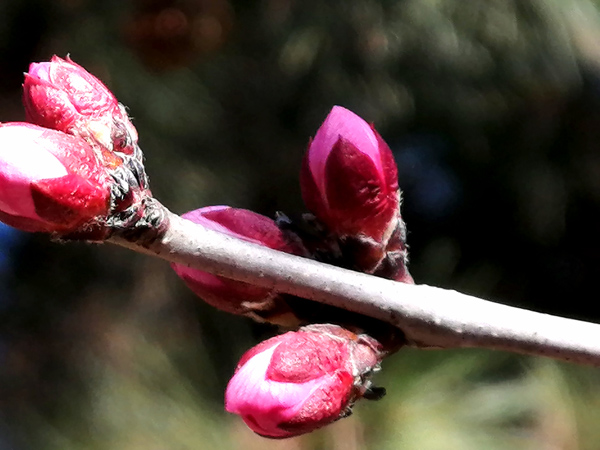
(349, 181)
(50, 181)
(234, 296)
(302, 380)
(63, 96)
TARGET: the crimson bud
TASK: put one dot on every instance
(234, 296)
(63, 96)
(349, 181)
(302, 380)
(50, 181)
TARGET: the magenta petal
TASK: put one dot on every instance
(251, 389)
(40, 70)
(227, 295)
(23, 161)
(199, 216)
(360, 202)
(343, 123)
(49, 177)
(265, 404)
(70, 200)
(247, 225)
(56, 111)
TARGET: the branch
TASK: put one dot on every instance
(430, 317)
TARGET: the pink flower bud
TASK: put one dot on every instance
(49, 181)
(63, 96)
(234, 296)
(302, 380)
(349, 178)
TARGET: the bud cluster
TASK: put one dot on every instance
(349, 182)
(74, 169)
(300, 381)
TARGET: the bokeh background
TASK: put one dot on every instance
(492, 108)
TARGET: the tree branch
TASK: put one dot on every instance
(428, 316)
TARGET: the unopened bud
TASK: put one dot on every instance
(349, 181)
(50, 181)
(234, 296)
(302, 380)
(63, 96)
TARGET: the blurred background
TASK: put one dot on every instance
(492, 108)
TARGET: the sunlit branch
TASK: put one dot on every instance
(428, 316)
